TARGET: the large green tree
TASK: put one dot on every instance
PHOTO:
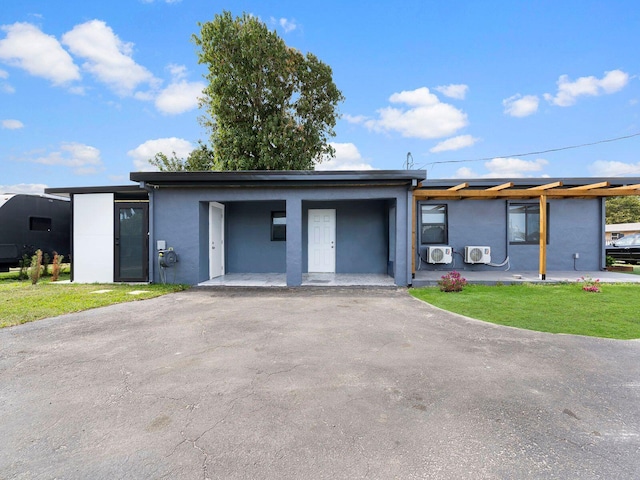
(268, 106)
(622, 209)
(199, 159)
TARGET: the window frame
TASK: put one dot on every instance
(43, 224)
(278, 227)
(445, 225)
(535, 211)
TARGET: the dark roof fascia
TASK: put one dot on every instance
(68, 191)
(279, 178)
(527, 182)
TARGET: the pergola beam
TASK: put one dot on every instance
(458, 187)
(501, 186)
(591, 186)
(526, 193)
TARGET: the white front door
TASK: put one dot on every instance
(216, 239)
(322, 240)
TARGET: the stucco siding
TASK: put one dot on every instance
(362, 230)
(575, 226)
(249, 248)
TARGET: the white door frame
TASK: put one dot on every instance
(321, 241)
(216, 239)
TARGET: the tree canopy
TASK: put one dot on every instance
(199, 159)
(268, 106)
(622, 210)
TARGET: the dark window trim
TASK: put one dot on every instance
(446, 222)
(40, 224)
(278, 234)
(527, 205)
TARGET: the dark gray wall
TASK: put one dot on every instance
(249, 248)
(362, 233)
(180, 217)
(575, 226)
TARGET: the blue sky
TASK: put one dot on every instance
(90, 90)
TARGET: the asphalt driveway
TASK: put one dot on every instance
(311, 383)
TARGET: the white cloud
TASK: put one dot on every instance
(347, 158)
(506, 168)
(23, 188)
(568, 91)
(11, 124)
(521, 106)
(180, 96)
(27, 47)
(147, 150)
(427, 117)
(288, 25)
(82, 159)
(455, 143)
(454, 91)
(4, 74)
(603, 168)
(357, 119)
(109, 59)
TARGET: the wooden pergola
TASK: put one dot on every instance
(510, 191)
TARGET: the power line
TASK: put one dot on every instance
(535, 153)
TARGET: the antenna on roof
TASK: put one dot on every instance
(408, 164)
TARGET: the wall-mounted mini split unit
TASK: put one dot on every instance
(439, 255)
(477, 254)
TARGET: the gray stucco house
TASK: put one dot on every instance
(191, 227)
(220, 223)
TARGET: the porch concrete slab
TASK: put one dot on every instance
(247, 280)
(430, 278)
(347, 280)
(339, 383)
(308, 279)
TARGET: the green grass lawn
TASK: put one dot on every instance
(562, 308)
(22, 302)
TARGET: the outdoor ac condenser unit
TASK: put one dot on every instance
(439, 255)
(477, 254)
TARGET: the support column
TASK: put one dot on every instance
(543, 237)
(294, 242)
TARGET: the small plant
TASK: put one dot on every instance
(24, 264)
(36, 265)
(452, 282)
(589, 284)
(55, 266)
(609, 260)
(46, 260)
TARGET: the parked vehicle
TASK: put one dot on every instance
(29, 222)
(625, 249)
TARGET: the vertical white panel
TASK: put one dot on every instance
(93, 237)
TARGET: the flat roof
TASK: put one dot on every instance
(68, 191)
(278, 177)
(439, 183)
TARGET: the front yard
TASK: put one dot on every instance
(614, 312)
(22, 302)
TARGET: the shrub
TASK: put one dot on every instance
(36, 265)
(55, 267)
(452, 282)
(609, 260)
(589, 284)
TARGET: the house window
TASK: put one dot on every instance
(278, 226)
(524, 223)
(40, 224)
(433, 224)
